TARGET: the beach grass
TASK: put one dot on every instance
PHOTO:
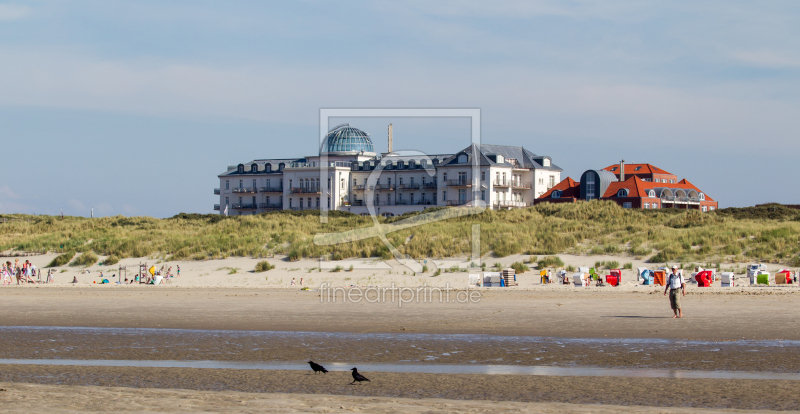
(766, 233)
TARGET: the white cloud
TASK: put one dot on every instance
(77, 206)
(769, 59)
(10, 12)
(5, 192)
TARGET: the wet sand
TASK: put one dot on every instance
(26, 398)
(751, 315)
(696, 393)
(182, 345)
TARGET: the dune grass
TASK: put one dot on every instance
(87, 258)
(767, 233)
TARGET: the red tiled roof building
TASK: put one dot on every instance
(647, 187)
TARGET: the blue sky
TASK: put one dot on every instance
(134, 107)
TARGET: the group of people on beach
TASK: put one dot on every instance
(24, 273)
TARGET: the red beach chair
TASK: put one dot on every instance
(704, 278)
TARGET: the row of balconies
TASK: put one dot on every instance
(253, 190)
(687, 200)
(361, 203)
(511, 183)
(306, 190)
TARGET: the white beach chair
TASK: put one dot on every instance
(580, 279)
(474, 280)
(727, 279)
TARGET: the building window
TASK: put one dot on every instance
(329, 184)
(651, 193)
(254, 168)
(672, 181)
(711, 208)
(268, 167)
(240, 184)
(627, 204)
(227, 184)
(657, 180)
(622, 193)
(702, 196)
(546, 162)
(705, 209)
(552, 181)
(483, 175)
(317, 202)
(647, 206)
(483, 195)
(240, 168)
(655, 205)
(254, 185)
(555, 194)
(290, 203)
(444, 195)
(227, 201)
(444, 176)
(589, 186)
(462, 159)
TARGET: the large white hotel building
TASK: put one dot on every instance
(509, 177)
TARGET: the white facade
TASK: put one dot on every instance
(510, 177)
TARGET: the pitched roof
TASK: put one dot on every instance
(638, 188)
(631, 169)
(486, 153)
(569, 189)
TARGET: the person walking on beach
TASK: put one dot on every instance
(179, 270)
(675, 283)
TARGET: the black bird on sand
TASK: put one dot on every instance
(358, 377)
(317, 367)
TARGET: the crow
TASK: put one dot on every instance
(358, 377)
(317, 367)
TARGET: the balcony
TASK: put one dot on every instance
(498, 183)
(680, 200)
(429, 186)
(271, 206)
(251, 206)
(458, 183)
(271, 189)
(510, 203)
(245, 190)
(216, 207)
(316, 164)
(359, 187)
(457, 202)
(305, 190)
(404, 187)
(216, 191)
(384, 187)
(521, 185)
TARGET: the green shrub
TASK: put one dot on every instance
(337, 269)
(86, 259)
(519, 267)
(61, 259)
(438, 272)
(111, 260)
(425, 269)
(628, 266)
(264, 266)
(612, 264)
(570, 268)
(550, 261)
(505, 246)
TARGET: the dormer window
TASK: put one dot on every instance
(622, 193)
(240, 169)
(268, 167)
(462, 158)
(500, 159)
(555, 194)
(614, 169)
(280, 166)
(702, 196)
(254, 168)
(651, 193)
(546, 162)
(638, 168)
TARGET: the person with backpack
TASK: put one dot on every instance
(675, 283)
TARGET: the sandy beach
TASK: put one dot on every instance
(211, 313)
(26, 398)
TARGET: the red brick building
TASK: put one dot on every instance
(643, 186)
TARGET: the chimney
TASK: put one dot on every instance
(622, 170)
(390, 138)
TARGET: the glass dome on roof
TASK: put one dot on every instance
(345, 138)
